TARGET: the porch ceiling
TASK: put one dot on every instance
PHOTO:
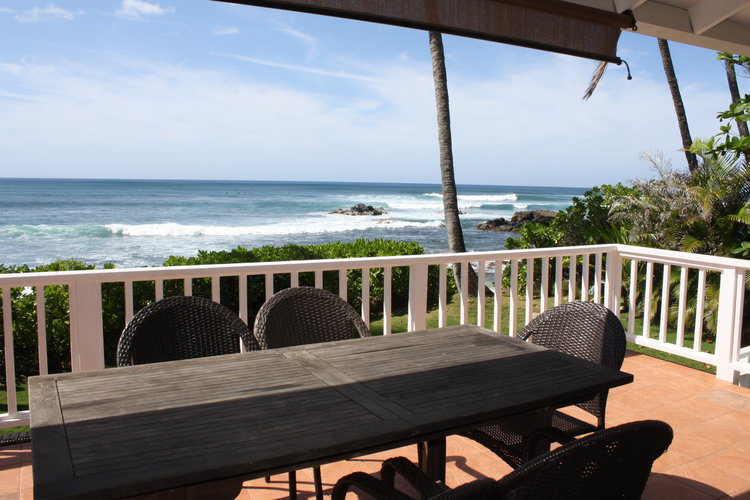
(722, 25)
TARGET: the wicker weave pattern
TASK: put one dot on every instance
(583, 329)
(181, 328)
(613, 463)
(306, 315)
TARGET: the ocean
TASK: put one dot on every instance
(142, 222)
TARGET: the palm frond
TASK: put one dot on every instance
(595, 79)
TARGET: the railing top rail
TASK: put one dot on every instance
(250, 268)
(696, 260)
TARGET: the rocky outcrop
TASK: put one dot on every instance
(360, 209)
(518, 220)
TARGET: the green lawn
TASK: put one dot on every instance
(399, 323)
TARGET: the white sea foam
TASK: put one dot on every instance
(331, 224)
(471, 199)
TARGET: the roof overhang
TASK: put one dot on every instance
(587, 28)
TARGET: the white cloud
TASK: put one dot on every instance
(49, 13)
(310, 42)
(226, 30)
(525, 127)
(136, 9)
(295, 67)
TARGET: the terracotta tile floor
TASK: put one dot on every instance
(709, 457)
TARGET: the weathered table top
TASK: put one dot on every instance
(124, 431)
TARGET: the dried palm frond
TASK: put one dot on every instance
(595, 79)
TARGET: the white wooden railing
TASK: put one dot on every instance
(622, 277)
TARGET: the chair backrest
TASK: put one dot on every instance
(586, 330)
(177, 328)
(305, 315)
(613, 463)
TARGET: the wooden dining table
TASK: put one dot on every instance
(128, 431)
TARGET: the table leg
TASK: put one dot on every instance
(432, 458)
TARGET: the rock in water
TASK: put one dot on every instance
(360, 209)
(518, 220)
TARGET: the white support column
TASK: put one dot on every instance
(729, 322)
(86, 331)
(417, 297)
(482, 283)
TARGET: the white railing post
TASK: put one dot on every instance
(613, 278)
(86, 330)
(729, 322)
(417, 297)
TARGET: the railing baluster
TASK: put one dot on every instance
(544, 292)
(158, 289)
(343, 284)
(529, 290)
(633, 296)
(188, 285)
(216, 288)
(699, 307)
(387, 279)
(482, 278)
(558, 279)
(41, 330)
(464, 292)
(585, 277)
(443, 294)
(598, 278)
(268, 282)
(572, 270)
(681, 304)
(664, 323)
(128, 301)
(498, 309)
(417, 297)
(294, 278)
(318, 279)
(513, 304)
(10, 359)
(647, 299)
(366, 295)
(242, 285)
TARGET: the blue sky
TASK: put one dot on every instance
(196, 89)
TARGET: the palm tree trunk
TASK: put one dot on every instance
(734, 91)
(679, 108)
(450, 198)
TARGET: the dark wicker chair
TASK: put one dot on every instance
(306, 315)
(614, 463)
(182, 328)
(583, 329)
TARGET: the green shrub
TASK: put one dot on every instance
(57, 310)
